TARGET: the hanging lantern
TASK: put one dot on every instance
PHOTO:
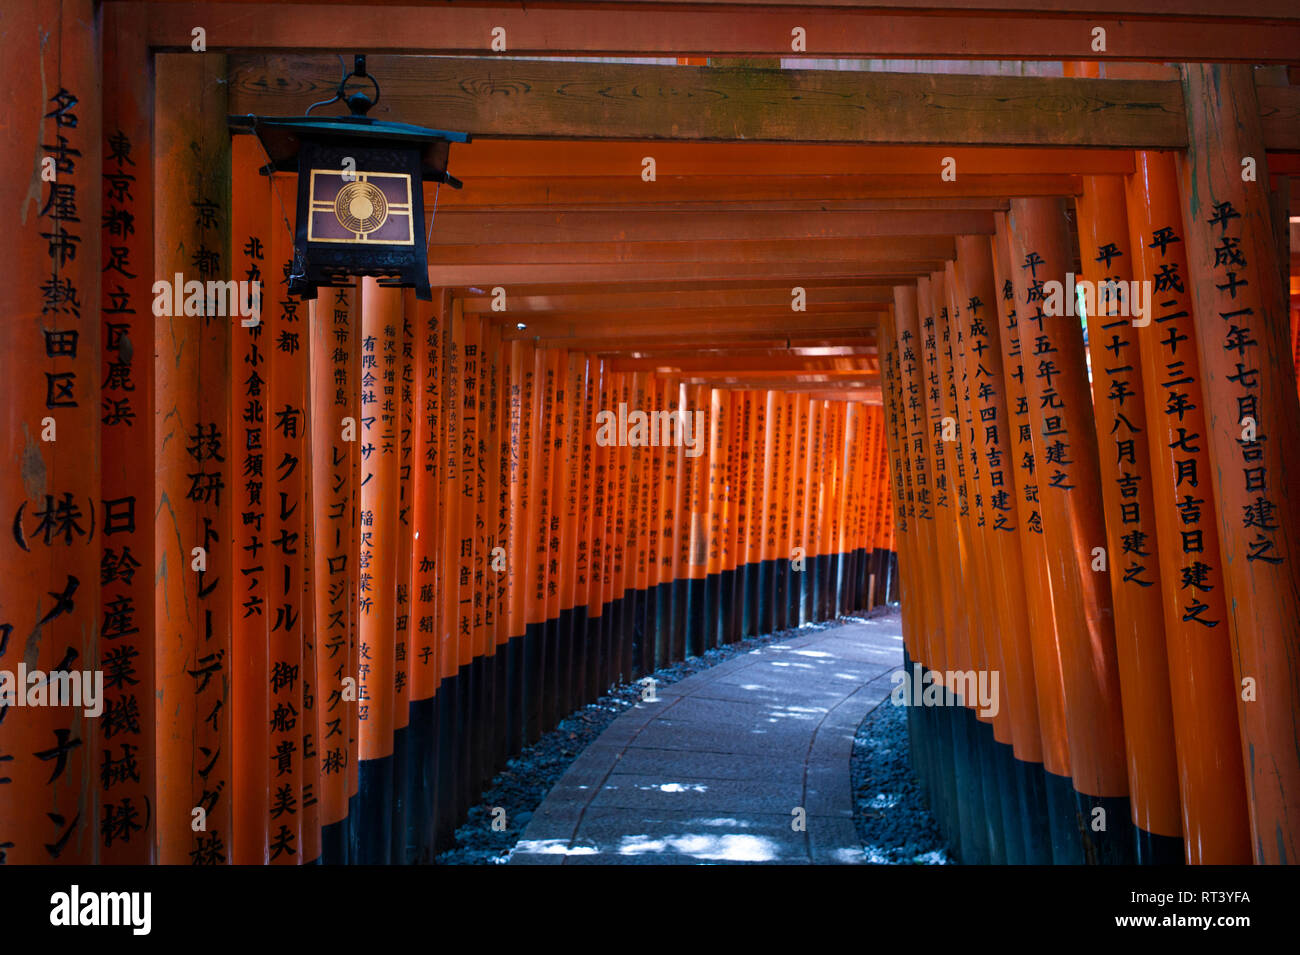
(360, 190)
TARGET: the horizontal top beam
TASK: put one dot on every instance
(1029, 31)
(624, 191)
(548, 99)
(519, 304)
(488, 228)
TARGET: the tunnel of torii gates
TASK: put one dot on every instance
(336, 567)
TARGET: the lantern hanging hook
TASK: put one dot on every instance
(358, 103)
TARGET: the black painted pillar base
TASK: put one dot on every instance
(1036, 833)
(1066, 847)
(1013, 840)
(401, 794)
(1117, 844)
(445, 820)
(374, 816)
(532, 683)
(1155, 849)
(564, 662)
(613, 637)
(336, 839)
(694, 616)
(423, 774)
(780, 589)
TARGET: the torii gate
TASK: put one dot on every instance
(920, 216)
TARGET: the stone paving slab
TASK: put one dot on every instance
(711, 771)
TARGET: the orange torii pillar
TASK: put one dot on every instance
(53, 778)
(402, 397)
(931, 517)
(988, 729)
(891, 389)
(126, 822)
(593, 650)
(334, 394)
(1065, 453)
(992, 438)
(812, 497)
(377, 432)
(193, 497)
(498, 565)
(754, 512)
(932, 728)
(286, 345)
(252, 225)
(798, 510)
(426, 566)
(1048, 682)
(737, 473)
(1198, 629)
(1253, 431)
(978, 801)
(569, 480)
(1132, 547)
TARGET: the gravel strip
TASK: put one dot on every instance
(893, 822)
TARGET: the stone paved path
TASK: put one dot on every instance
(712, 771)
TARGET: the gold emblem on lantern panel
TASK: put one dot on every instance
(359, 209)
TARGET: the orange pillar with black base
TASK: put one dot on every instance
(1049, 683)
(1027, 838)
(1065, 453)
(1252, 434)
(1131, 541)
(1198, 629)
(381, 318)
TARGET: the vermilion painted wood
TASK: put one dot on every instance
(252, 226)
(1135, 555)
(995, 31)
(192, 399)
(1240, 328)
(289, 464)
(1072, 522)
(719, 190)
(1212, 794)
(1048, 681)
(334, 382)
(381, 316)
(986, 390)
(933, 465)
(127, 445)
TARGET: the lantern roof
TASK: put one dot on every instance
(282, 137)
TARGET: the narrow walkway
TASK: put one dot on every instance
(714, 770)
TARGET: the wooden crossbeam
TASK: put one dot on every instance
(670, 325)
(873, 251)
(754, 360)
(717, 339)
(578, 100)
(770, 190)
(831, 29)
(795, 271)
(495, 228)
(518, 304)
